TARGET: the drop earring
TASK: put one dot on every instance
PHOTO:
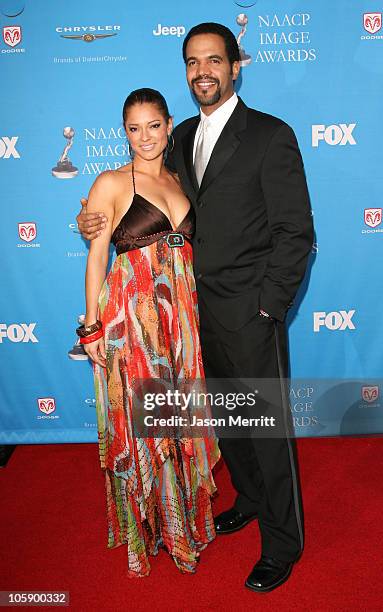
(170, 145)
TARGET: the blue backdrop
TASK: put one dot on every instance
(318, 65)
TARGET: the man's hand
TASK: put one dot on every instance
(90, 225)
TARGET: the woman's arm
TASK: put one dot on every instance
(102, 194)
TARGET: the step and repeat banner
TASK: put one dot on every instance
(66, 69)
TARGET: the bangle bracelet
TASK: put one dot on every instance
(84, 331)
(91, 338)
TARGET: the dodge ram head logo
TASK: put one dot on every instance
(47, 405)
(27, 231)
(373, 216)
(370, 394)
(12, 35)
(372, 22)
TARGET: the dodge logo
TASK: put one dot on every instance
(12, 35)
(27, 231)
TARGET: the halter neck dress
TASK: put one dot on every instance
(158, 489)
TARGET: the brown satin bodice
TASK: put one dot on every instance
(144, 223)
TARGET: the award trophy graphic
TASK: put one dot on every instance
(77, 352)
(242, 20)
(65, 169)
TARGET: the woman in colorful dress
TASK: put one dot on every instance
(142, 324)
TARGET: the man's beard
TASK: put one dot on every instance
(202, 100)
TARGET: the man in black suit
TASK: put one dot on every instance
(243, 173)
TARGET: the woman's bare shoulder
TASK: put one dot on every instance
(112, 180)
(124, 170)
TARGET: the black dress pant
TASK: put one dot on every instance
(263, 470)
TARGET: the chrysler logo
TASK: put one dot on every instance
(88, 33)
(87, 37)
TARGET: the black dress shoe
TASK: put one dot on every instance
(268, 574)
(232, 520)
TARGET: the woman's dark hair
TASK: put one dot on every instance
(143, 96)
(231, 45)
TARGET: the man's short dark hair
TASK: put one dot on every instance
(231, 45)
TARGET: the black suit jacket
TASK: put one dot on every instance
(253, 219)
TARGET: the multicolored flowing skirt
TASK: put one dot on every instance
(158, 488)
